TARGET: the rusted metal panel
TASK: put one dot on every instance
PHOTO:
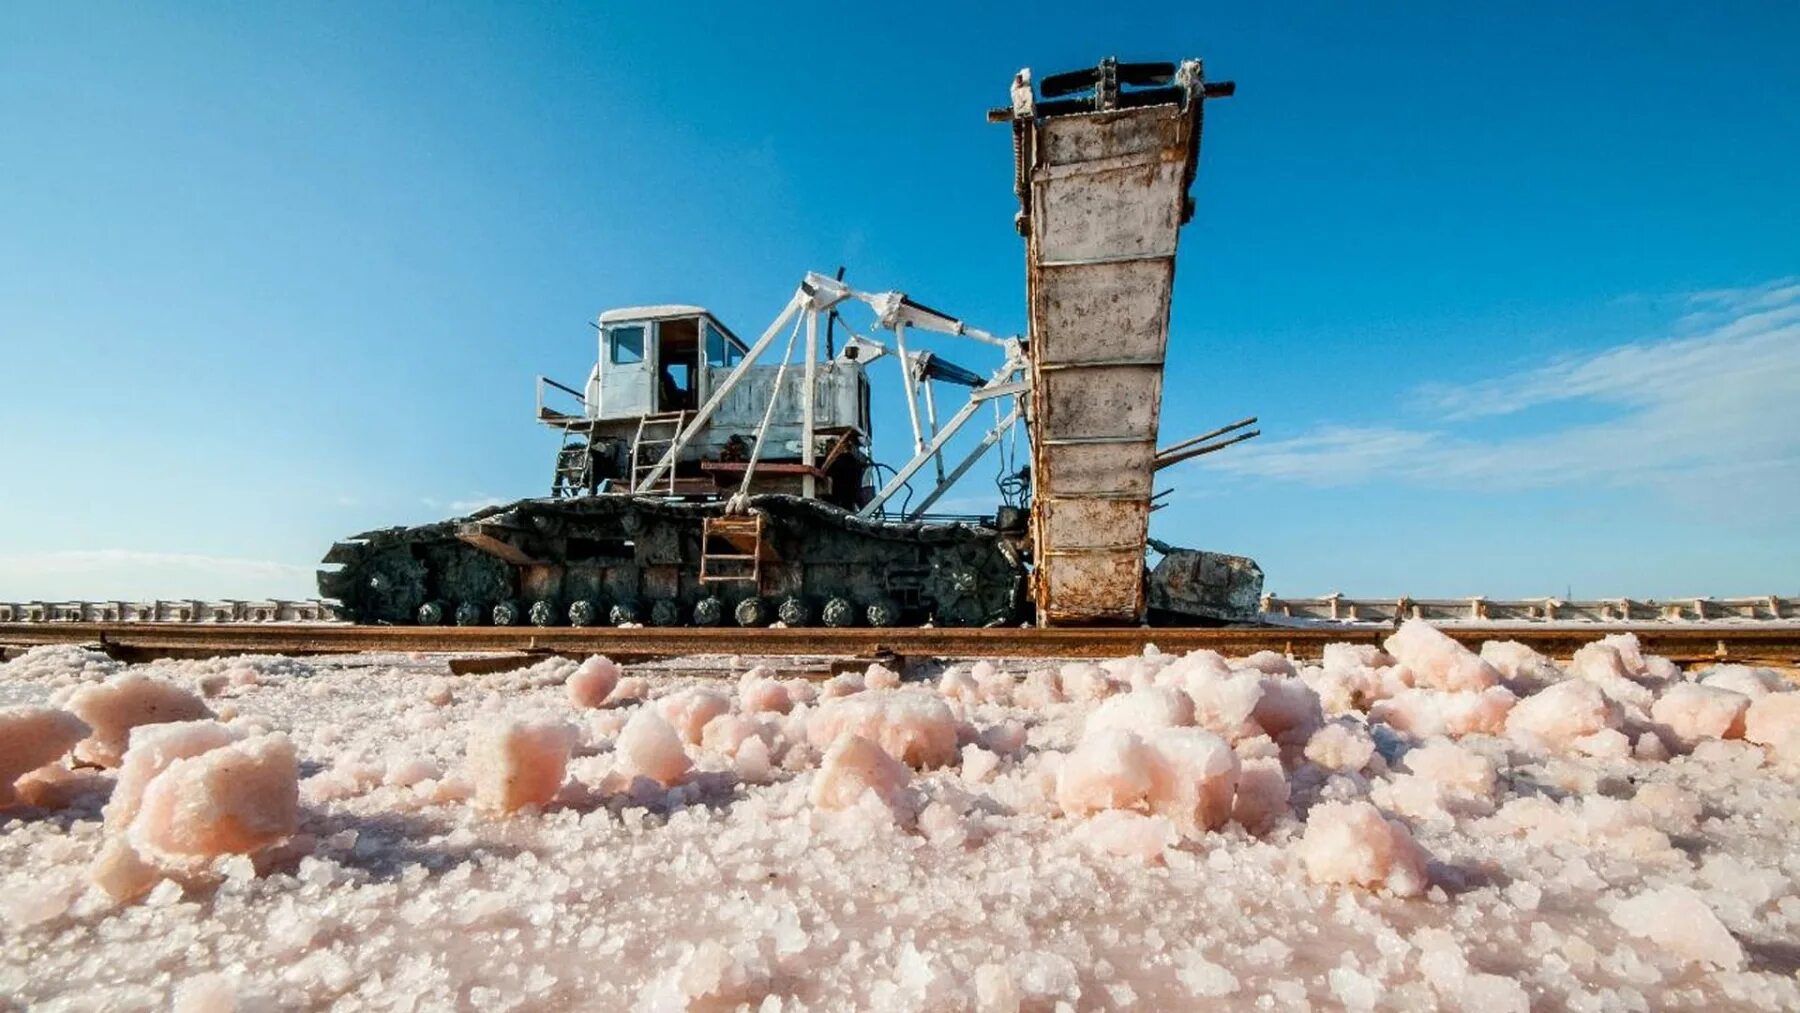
(1096, 403)
(1098, 313)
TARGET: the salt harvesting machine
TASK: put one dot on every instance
(703, 479)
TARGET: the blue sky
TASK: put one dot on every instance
(1515, 295)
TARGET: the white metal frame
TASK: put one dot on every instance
(818, 295)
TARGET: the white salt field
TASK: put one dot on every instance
(1424, 827)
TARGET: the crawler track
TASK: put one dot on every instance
(1767, 643)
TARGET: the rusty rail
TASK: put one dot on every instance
(1776, 643)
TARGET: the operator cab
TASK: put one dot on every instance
(655, 359)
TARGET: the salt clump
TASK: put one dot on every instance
(1110, 769)
(1143, 710)
(31, 737)
(1438, 661)
(241, 798)
(758, 693)
(1559, 714)
(113, 708)
(1341, 745)
(1423, 713)
(1678, 920)
(879, 676)
(1262, 793)
(648, 747)
(1691, 712)
(913, 725)
(1126, 835)
(1752, 682)
(687, 711)
(593, 681)
(1288, 710)
(854, 766)
(516, 763)
(153, 748)
(1523, 668)
(1224, 704)
(1193, 775)
(1352, 843)
(1774, 721)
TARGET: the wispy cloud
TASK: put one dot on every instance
(1716, 399)
(102, 574)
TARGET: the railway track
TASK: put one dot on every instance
(1769, 643)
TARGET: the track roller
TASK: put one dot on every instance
(752, 611)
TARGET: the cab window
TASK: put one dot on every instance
(715, 346)
(627, 344)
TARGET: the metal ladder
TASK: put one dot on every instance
(573, 474)
(743, 536)
(655, 433)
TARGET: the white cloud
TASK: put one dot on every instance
(109, 574)
(1715, 401)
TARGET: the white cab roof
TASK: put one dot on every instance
(652, 313)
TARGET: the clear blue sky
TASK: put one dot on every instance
(1514, 294)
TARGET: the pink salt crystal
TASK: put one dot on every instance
(237, 799)
(1774, 721)
(881, 677)
(404, 772)
(1039, 689)
(1460, 770)
(648, 747)
(518, 762)
(205, 993)
(1423, 713)
(1649, 747)
(244, 675)
(841, 685)
(727, 733)
(853, 766)
(1352, 843)
(1605, 744)
(1437, 661)
(1143, 710)
(687, 711)
(120, 872)
(1006, 738)
(593, 681)
(1288, 710)
(996, 684)
(957, 684)
(152, 749)
(1224, 705)
(31, 737)
(212, 684)
(1519, 663)
(1690, 712)
(1341, 745)
(54, 786)
(439, 692)
(1262, 794)
(913, 725)
(978, 764)
(1110, 769)
(1611, 664)
(752, 761)
(1752, 682)
(764, 696)
(1085, 682)
(1559, 714)
(1270, 663)
(631, 687)
(1193, 775)
(116, 706)
(1678, 920)
(1126, 835)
